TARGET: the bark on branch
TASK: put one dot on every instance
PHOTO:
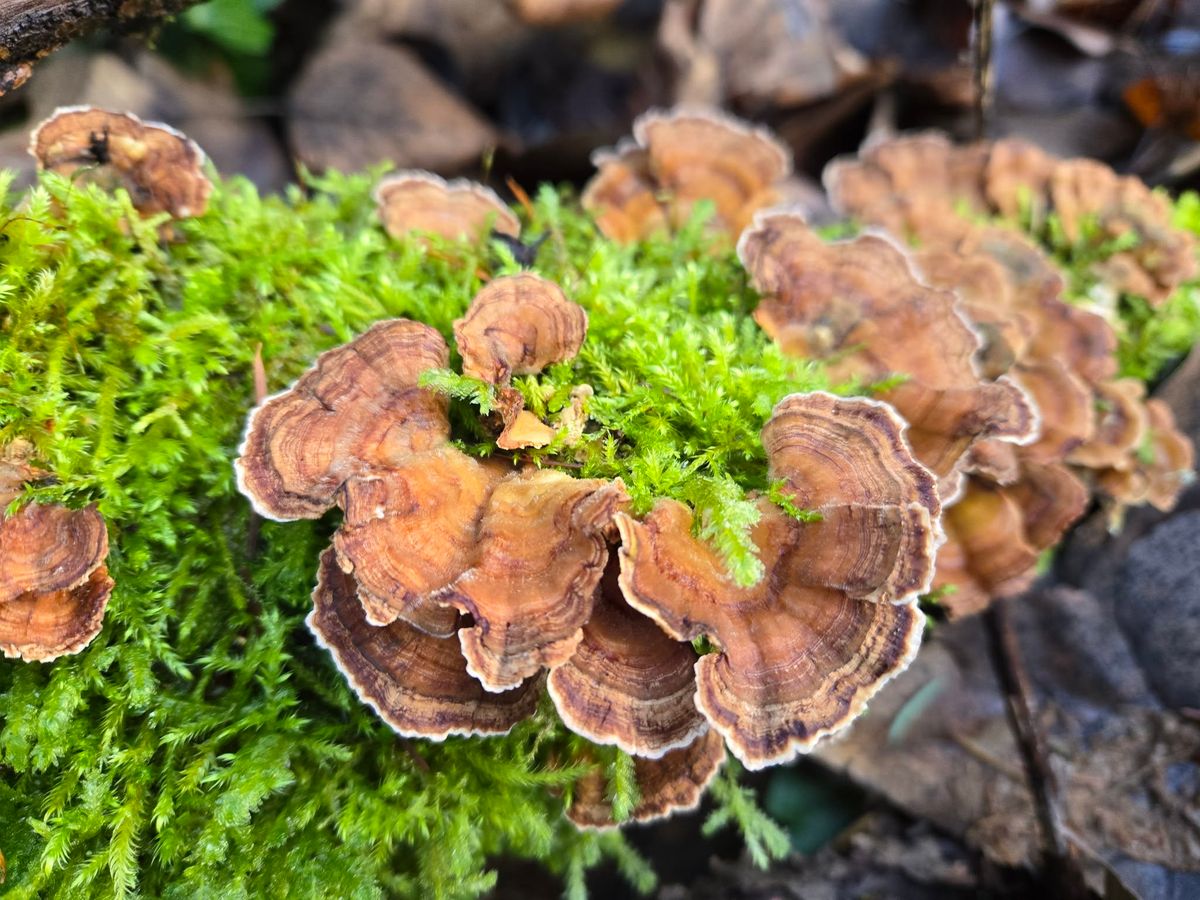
(30, 29)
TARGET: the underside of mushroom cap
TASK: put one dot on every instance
(413, 202)
(541, 548)
(518, 325)
(672, 783)
(162, 169)
(410, 531)
(628, 683)
(358, 410)
(417, 683)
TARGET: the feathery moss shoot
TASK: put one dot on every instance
(203, 745)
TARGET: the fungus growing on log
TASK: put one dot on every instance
(859, 305)
(518, 325)
(416, 682)
(162, 169)
(423, 203)
(357, 411)
(802, 651)
(679, 158)
(54, 586)
(628, 683)
(672, 783)
(540, 550)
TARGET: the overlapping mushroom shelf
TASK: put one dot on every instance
(455, 588)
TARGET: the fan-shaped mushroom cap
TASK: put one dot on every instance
(673, 783)
(54, 586)
(540, 551)
(622, 195)
(358, 410)
(1051, 498)
(421, 202)
(1064, 403)
(628, 683)
(161, 169)
(680, 157)
(417, 683)
(525, 430)
(517, 325)
(1121, 423)
(860, 299)
(1163, 467)
(410, 531)
(1017, 178)
(832, 620)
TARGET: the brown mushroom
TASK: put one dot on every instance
(410, 531)
(672, 783)
(540, 551)
(834, 617)
(161, 169)
(423, 203)
(679, 158)
(1120, 427)
(1163, 466)
(417, 683)
(54, 586)
(525, 430)
(1065, 408)
(357, 411)
(858, 304)
(516, 325)
(628, 683)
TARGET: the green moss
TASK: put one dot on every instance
(203, 745)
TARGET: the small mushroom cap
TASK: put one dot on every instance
(1017, 178)
(1164, 465)
(1052, 499)
(701, 154)
(672, 783)
(410, 531)
(518, 325)
(622, 195)
(161, 169)
(44, 549)
(358, 410)
(540, 551)
(1121, 425)
(628, 683)
(41, 627)
(417, 683)
(834, 617)
(525, 430)
(421, 202)
(1065, 405)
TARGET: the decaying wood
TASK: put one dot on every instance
(31, 29)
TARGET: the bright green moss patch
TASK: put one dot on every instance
(203, 745)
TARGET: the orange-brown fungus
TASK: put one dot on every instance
(540, 550)
(161, 169)
(834, 616)
(54, 586)
(409, 531)
(859, 304)
(628, 683)
(359, 410)
(516, 325)
(417, 683)
(424, 203)
(1162, 466)
(1121, 423)
(673, 783)
(682, 157)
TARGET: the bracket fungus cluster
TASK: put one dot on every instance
(1095, 431)
(161, 168)
(456, 588)
(678, 158)
(419, 202)
(54, 586)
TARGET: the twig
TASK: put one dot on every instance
(1061, 867)
(981, 55)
